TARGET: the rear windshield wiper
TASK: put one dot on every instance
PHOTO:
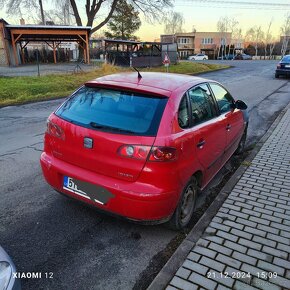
(100, 126)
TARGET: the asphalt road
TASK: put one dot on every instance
(83, 249)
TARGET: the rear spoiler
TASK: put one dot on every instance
(130, 87)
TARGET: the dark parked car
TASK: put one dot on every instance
(226, 57)
(143, 147)
(7, 268)
(283, 67)
(242, 56)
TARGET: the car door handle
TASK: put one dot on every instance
(228, 127)
(200, 143)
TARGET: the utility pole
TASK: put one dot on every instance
(42, 13)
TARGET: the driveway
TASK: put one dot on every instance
(83, 249)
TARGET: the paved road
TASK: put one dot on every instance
(45, 232)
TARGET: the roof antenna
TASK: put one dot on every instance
(139, 75)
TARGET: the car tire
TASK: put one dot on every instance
(204, 59)
(276, 76)
(241, 147)
(185, 208)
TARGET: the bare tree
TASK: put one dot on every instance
(238, 36)
(255, 35)
(285, 33)
(232, 24)
(267, 38)
(173, 22)
(222, 27)
(269, 41)
(94, 9)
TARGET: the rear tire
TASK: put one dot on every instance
(241, 148)
(185, 208)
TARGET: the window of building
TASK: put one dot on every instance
(207, 40)
(183, 40)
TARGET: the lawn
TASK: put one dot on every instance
(19, 90)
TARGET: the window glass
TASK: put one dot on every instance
(201, 104)
(114, 111)
(286, 58)
(224, 99)
(183, 117)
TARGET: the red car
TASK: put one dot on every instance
(142, 148)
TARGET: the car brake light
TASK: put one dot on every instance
(54, 130)
(278, 65)
(163, 154)
(134, 151)
(142, 151)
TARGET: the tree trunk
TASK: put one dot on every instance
(42, 13)
(219, 50)
(76, 12)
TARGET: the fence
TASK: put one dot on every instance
(139, 59)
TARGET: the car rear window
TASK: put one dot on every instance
(286, 58)
(114, 111)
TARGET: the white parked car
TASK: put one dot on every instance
(199, 56)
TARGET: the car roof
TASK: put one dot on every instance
(151, 82)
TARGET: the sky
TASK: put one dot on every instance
(204, 15)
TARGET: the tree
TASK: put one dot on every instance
(124, 22)
(269, 41)
(222, 27)
(255, 35)
(94, 9)
(285, 32)
(173, 22)
(232, 24)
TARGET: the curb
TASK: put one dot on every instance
(175, 262)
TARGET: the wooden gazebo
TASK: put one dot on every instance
(52, 35)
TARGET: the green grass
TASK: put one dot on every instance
(189, 68)
(19, 90)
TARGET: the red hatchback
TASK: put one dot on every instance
(143, 147)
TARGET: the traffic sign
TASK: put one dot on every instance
(166, 59)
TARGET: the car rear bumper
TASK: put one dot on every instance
(285, 72)
(133, 200)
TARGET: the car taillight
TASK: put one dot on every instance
(54, 130)
(278, 65)
(134, 151)
(155, 153)
(163, 154)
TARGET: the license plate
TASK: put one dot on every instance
(87, 190)
(68, 184)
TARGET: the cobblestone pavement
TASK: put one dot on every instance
(247, 243)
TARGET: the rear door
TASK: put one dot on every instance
(97, 122)
(209, 133)
(233, 122)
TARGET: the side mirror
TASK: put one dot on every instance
(241, 105)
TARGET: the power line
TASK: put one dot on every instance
(234, 4)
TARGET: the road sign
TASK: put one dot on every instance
(166, 59)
